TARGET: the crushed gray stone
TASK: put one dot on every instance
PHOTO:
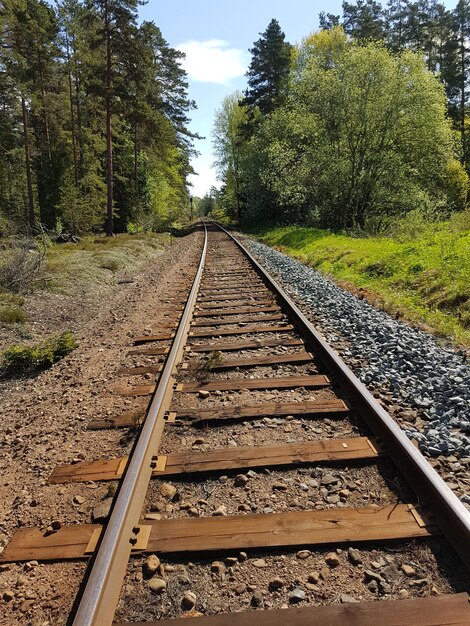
(387, 354)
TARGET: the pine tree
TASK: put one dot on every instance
(396, 15)
(117, 18)
(268, 71)
(364, 20)
(328, 21)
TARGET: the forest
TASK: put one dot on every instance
(93, 120)
(364, 121)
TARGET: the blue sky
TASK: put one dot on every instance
(216, 36)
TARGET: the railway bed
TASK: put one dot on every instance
(263, 477)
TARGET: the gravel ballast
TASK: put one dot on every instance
(386, 354)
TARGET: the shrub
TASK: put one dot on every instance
(26, 359)
(20, 262)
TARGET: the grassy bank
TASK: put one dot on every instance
(421, 272)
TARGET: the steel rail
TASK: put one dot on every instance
(449, 513)
(103, 587)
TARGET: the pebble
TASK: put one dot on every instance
(313, 577)
(354, 556)
(188, 601)
(239, 589)
(220, 511)
(167, 490)
(157, 585)
(276, 583)
(332, 560)
(241, 480)
(408, 570)
(78, 499)
(151, 565)
(303, 554)
(297, 595)
(259, 563)
(280, 486)
(257, 598)
(203, 394)
(346, 599)
(101, 511)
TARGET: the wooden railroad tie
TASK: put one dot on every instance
(449, 610)
(238, 532)
(150, 351)
(243, 330)
(127, 420)
(241, 284)
(236, 384)
(270, 409)
(150, 338)
(229, 304)
(230, 288)
(236, 296)
(297, 357)
(243, 318)
(245, 344)
(243, 309)
(267, 409)
(224, 459)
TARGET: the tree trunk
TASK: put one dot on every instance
(462, 89)
(109, 138)
(136, 169)
(72, 114)
(30, 212)
(79, 116)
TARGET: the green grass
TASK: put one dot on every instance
(26, 359)
(420, 273)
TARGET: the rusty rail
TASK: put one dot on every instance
(450, 514)
(101, 593)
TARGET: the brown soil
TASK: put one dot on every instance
(43, 424)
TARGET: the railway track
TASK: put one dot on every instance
(260, 448)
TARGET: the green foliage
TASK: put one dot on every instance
(420, 269)
(229, 151)
(362, 137)
(26, 359)
(59, 96)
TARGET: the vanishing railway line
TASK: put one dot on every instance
(243, 360)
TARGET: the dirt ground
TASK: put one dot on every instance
(43, 424)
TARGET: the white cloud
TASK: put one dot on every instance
(213, 61)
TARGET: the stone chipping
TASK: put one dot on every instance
(409, 364)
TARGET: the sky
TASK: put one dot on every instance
(216, 36)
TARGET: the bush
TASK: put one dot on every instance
(20, 262)
(26, 359)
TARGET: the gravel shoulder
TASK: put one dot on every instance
(423, 384)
